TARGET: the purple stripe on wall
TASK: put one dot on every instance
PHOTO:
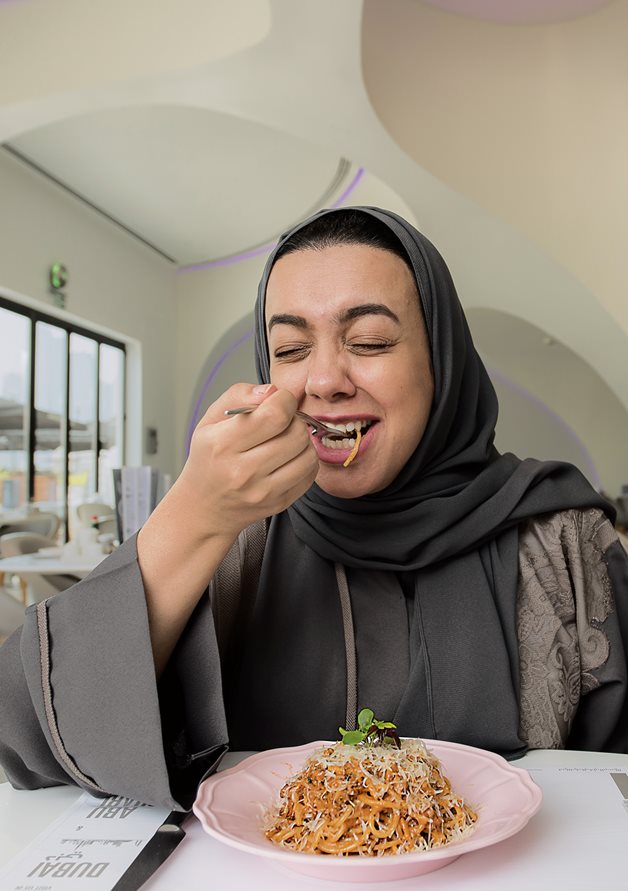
(591, 469)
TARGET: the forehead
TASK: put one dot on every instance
(319, 283)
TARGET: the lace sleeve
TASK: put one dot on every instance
(570, 643)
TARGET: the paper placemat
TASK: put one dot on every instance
(95, 840)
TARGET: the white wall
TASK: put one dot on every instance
(529, 428)
(553, 404)
(528, 122)
(116, 284)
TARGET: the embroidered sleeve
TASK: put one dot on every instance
(564, 598)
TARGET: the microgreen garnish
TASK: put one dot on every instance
(370, 732)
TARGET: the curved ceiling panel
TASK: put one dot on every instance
(514, 12)
(527, 122)
(195, 184)
(43, 44)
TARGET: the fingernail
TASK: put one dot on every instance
(263, 388)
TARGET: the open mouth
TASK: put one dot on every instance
(346, 434)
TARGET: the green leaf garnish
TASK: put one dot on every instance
(353, 737)
(365, 719)
(370, 732)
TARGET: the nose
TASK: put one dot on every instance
(329, 375)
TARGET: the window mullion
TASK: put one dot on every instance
(97, 448)
(32, 421)
(66, 481)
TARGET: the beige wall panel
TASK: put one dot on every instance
(529, 122)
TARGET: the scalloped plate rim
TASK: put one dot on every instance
(295, 859)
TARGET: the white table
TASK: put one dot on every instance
(29, 566)
(550, 853)
(44, 565)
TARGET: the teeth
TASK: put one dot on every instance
(330, 443)
(345, 443)
(349, 427)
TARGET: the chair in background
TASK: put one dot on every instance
(41, 586)
(104, 513)
(38, 522)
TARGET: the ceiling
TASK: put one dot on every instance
(500, 124)
(195, 184)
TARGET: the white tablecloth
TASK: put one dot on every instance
(577, 841)
(44, 565)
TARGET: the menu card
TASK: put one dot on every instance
(95, 840)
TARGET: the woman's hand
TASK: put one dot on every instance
(240, 469)
(243, 468)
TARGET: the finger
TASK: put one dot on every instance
(248, 473)
(279, 489)
(273, 416)
(296, 477)
(268, 456)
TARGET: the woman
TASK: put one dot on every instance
(464, 594)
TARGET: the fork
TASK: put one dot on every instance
(317, 426)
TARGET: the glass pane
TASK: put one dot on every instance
(50, 411)
(111, 452)
(14, 415)
(82, 414)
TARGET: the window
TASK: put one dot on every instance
(61, 412)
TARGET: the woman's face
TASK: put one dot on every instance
(347, 338)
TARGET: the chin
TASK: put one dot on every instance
(341, 483)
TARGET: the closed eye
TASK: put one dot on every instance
(292, 352)
(371, 346)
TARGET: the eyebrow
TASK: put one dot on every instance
(369, 309)
(354, 312)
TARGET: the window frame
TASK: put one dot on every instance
(38, 315)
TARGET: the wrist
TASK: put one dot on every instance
(194, 513)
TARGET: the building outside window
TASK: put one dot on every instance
(62, 412)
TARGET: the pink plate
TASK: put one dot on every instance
(231, 805)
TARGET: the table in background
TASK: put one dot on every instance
(25, 565)
(45, 565)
